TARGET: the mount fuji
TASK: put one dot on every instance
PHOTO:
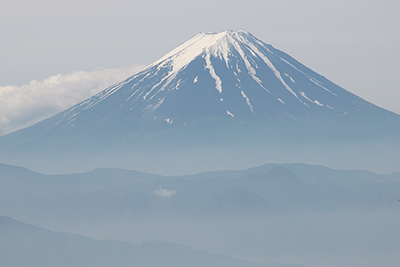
(216, 101)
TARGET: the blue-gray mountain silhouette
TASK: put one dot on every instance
(215, 91)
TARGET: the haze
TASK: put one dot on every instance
(61, 206)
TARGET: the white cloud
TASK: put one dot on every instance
(22, 106)
(164, 192)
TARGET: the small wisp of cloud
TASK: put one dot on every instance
(164, 192)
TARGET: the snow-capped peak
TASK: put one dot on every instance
(220, 45)
(215, 43)
(229, 75)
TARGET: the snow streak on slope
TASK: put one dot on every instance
(213, 74)
(311, 78)
(247, 101)
(250, 69)
(272, 67)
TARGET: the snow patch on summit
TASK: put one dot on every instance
(185, 53)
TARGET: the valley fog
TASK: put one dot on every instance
(368, 238)
(286, 214)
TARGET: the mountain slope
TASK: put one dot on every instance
(26, 245)
(226, 76)
(215, 90)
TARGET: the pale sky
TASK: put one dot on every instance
(54, 53)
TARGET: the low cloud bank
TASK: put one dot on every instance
(22, 106)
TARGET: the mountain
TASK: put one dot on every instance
(291, 213)
(214, 95)
(107, 195)
(309, 173)
(26, 245)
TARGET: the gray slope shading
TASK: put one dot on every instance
(239, 202)
(26, 245)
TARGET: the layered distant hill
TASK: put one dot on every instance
(268, 190)
(219, 100)
(292, 213)
(26, 245)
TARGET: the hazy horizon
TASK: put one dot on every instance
(230, 152)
